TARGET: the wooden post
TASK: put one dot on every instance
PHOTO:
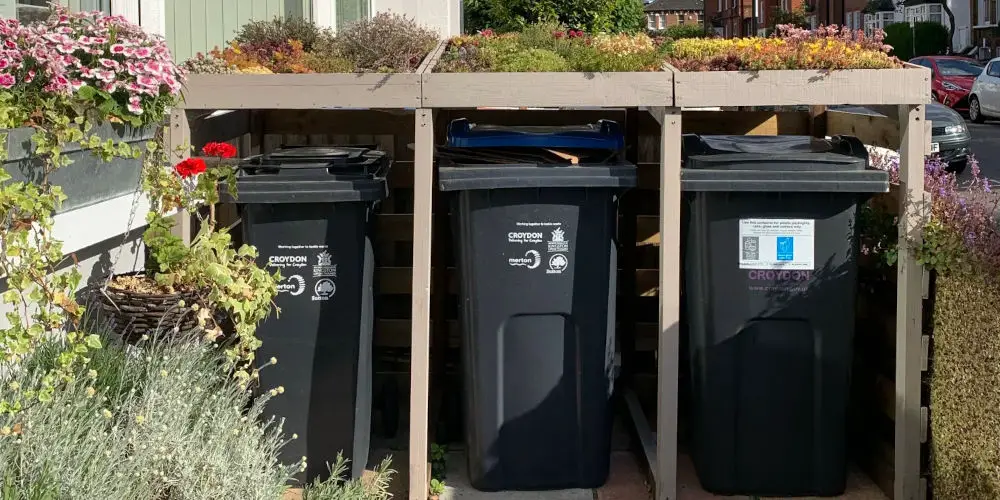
(906, 481)
(179, 148)
(668, 355)
(423, 191)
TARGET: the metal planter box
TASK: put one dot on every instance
(87, 180)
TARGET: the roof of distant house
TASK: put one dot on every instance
(674, 5)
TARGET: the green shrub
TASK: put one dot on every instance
(678, 31)
(541, 60)
(279, 31)
(930, 38)
(965, 387)
(162, 422)
(375, 487)
(385, 42)
(612, 16)
(581, 58)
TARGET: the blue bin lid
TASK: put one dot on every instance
(605, 134)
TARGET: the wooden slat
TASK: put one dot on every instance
(421, 302)
(746, 122)
(668, 355)
(302, 91)
(908, 305)
(872, 130)
(472, 90)
(910, 85)
(179, 148)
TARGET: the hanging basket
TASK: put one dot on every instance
(134, 314)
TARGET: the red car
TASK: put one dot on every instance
(952, 78)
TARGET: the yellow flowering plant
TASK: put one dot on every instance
(791, 47)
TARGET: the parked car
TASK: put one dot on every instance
(952, 78)
(950, 138)
(984, 100)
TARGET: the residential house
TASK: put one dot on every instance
(933, 11)
(854, 17)
(767, 11)
(984, 28)
(192, 26)
(661, 14)
(730, 18)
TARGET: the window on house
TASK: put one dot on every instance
(981, 12)
(700, 16)
(29, 11)
(660, 22)
(650, 23)
(680, 18)
(349, 11)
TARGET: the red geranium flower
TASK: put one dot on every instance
(219, 149)
(189, 167)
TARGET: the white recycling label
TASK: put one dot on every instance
(777, 244)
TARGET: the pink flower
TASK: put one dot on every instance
(135, 105)
(143, 52)
(7, 80)
(110, 64)
(9, 44)
(4, 63)
(117, 49)
(148, 81)
(31, 76)
(77, 84)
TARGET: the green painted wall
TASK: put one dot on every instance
(200, 25)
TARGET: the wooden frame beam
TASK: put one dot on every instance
(423, 192)
(179, 148)
(668, 355)
(909, 295)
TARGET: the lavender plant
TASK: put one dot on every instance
(961, 234)
(162, 422)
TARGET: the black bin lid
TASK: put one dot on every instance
(778, 164)
(312, 174)
(319, 161)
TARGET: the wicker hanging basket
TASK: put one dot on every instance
(134, 314)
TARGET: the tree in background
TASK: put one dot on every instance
(796, 17)
(931, 39)
(611, 16)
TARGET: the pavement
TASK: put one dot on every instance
(986, 148)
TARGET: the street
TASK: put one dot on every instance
(986, 148)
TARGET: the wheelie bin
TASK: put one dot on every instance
(771, 277)
(309, 212)
(536, 248)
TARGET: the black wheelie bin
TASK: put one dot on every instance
(534, 216)
(309, 212)
(771, 279)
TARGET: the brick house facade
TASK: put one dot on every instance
(661, 14)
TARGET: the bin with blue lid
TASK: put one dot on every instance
(309, 212)
(534, 214)
(771, 279)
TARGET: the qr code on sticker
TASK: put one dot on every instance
(751, 248)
